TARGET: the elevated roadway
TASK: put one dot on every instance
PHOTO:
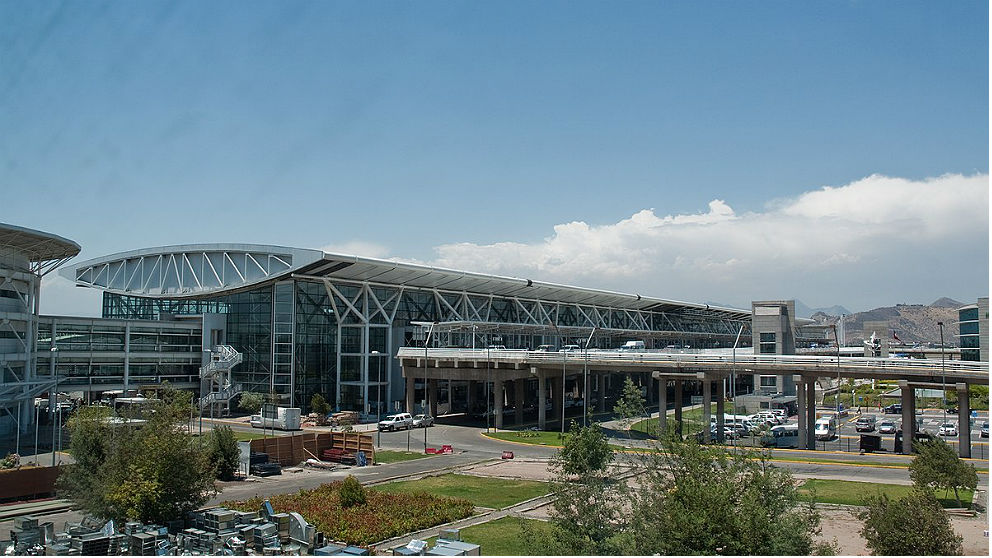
(500, 366)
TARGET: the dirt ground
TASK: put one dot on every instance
(526, 469)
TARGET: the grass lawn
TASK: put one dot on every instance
(503, 537)
(482, 491)
(248, 436)
(692, 421)
(538, 438)
(390, 456)
(854, 493)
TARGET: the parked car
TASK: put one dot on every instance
(893, 409)
(423, 421)
(953, 410)
(395, 422)
(985, 429)
(948, 429)
(545, 348)
(887, 427)
(782, 414)
(570, 348)
(866, 423)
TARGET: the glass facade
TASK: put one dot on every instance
(337, 338)
(968, 329)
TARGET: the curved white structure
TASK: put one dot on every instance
(189, 270)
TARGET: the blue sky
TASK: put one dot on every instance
(475, 133)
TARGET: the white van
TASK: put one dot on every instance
(781, 436)
(633, 346)
(826, 428)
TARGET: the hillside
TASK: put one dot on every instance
(913, 323)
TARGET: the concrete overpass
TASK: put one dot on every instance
(518, 366)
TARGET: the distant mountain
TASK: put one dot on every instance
(913, 323)
(803, 311)
(728, 305)
(944, 302)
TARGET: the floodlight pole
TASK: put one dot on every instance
(563, 356)
(943, 373)
(54, 398)
(837, 395)
(378, 399)
(733, 384)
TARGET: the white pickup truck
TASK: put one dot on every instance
(395, 422)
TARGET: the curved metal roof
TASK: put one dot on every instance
(38, 246)
(202, 269)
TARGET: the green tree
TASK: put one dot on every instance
(695, 499)
(586, 452)
(146, 468)
(320, 406)
(224, 452)
(915, 525)
(251, 402)
(936, 465)
(630, 405)
(587, 514)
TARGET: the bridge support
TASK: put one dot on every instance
(498, 402)
(432, 397)
(470, 397)
(801, 404)
(908, 416)
(678, 407)
(662, 407)
(721, 396)
(518, 401)
(410, 388)
(542, 398)
(964, 424)
(556, 398)
(707, 399)
(600, 393)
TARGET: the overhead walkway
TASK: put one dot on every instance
(516, 367)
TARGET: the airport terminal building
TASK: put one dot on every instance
(311, 322)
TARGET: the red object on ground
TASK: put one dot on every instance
(507, 455)
(430, 450)
(446, 448)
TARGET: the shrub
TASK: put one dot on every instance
(224, 453)
(912, 526)
(352, 492)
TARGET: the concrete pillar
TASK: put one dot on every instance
(600, 393)
(498, 402)
(556, 400)
(410, 385)
(721, 396)
(801, 404)
(542, 395)
(964, 424)
(518, 401)
(678, 407)
(470, 396)
(707, 399)
(662, 406)
(811, 413)
(908, 416)
(432, 396)
(652, 394)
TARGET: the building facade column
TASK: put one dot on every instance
(721, 396)
(801, 409)
(964, 421)
(810, 413)
(411, 384)
(542, 394)
(432, 396)
(908, 416)
(707, 397)
(678, 407)
(498, 402)
(518, 401)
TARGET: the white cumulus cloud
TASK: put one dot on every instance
(875, 241)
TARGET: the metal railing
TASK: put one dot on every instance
(792, 363)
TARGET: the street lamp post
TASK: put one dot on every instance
(733, 385)
(563, 356)
(378, 398)
(837, 395)
(943, 374)
(585, 381)
(54, 397)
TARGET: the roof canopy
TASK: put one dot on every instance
(203, 269)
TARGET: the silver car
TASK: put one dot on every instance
(423, 421)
